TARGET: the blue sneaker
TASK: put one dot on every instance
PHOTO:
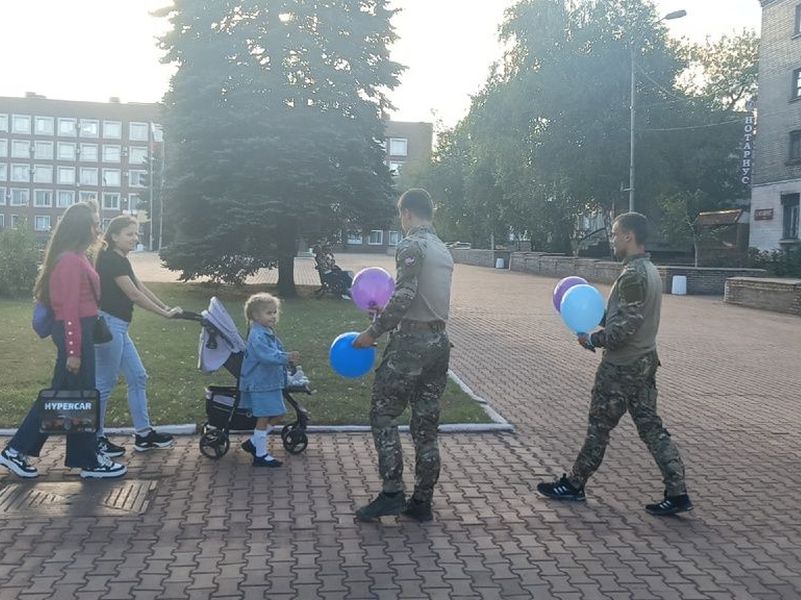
(562, 489)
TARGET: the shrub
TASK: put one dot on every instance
(19, 262)
(778, 263)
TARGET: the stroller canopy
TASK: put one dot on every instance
(219, 341)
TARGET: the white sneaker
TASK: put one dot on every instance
(105, 469)
(18, 464)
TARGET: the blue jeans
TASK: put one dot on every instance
(81, 447)
(120, 356)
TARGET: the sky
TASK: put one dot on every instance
(95, 49)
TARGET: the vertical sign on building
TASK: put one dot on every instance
(748, 144)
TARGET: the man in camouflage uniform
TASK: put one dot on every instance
(626, 377)
(414, 367)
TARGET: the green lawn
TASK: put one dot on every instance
(169, 352)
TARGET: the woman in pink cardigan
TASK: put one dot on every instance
(68, 284)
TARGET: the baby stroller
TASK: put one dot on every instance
(222, 346)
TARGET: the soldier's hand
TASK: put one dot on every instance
(584, 342)
(365, 340)
(294, 357)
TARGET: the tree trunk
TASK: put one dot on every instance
(287, 248)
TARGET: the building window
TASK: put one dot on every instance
(137, 155)
(88, 196)
(65, 198)
(790, 209)
(89, 128)
(111, 177)
(398, 146)
(796, 84)
(797, 28)
(137, 132)
(395, 168)
(88, 176)
(43, 126)
(137, 179)
(17, 222)
(3, 122)
(111, 154)
(89, 153)
(66, 151)
(3, 196)
(394, 238)
(3, 147)
(20, 197)
(42, 198)
(106, 223)
(376, 237)
(43, 173)
(134, 202)
(66, 175)
(112, 130)
(355, 238)
(67, 127)
(795, 145)
(2, 221)
(21, 124)
(41, 223)
(43, 150)
(3, 172)
(21, 173)
(20, 149)
(111, 202)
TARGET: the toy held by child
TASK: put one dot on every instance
(264, 375)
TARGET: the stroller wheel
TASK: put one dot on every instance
(214, 444)
(296, 442)
(285, 431)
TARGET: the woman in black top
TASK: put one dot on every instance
(120, 290)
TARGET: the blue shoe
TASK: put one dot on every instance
(248, 447)
(266, 461)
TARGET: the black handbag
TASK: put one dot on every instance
(68, 411)
(101, 333)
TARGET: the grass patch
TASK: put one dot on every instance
(169, 353)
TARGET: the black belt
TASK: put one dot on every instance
(409, 325)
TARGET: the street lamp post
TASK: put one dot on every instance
(677, 14)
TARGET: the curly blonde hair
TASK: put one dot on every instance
(259, 302)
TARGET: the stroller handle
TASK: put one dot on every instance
(190, 316)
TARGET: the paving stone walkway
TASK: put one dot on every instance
(182, 526)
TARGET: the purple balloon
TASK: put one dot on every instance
(372, 288)
(562, 287)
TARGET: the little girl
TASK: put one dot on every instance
(263, 375)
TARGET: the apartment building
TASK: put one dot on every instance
(54, 153)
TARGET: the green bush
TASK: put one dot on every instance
(19, 262)
(778, 263)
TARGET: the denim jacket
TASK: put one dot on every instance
(264, 367)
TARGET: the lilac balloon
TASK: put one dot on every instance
(562, 287)
(372, 288)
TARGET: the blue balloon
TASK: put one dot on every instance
(349, 361)
(582, 308)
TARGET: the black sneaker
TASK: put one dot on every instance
(383, 505)
(418, 510)
(105, 469)
(266, 461)
(562, 489)
(111, 450)
(248, 447)
(153, 441)
(18, 464)
(671, 505)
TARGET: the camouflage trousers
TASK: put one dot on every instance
(632, 388)
(413, 371)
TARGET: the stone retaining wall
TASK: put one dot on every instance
(778, 295)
